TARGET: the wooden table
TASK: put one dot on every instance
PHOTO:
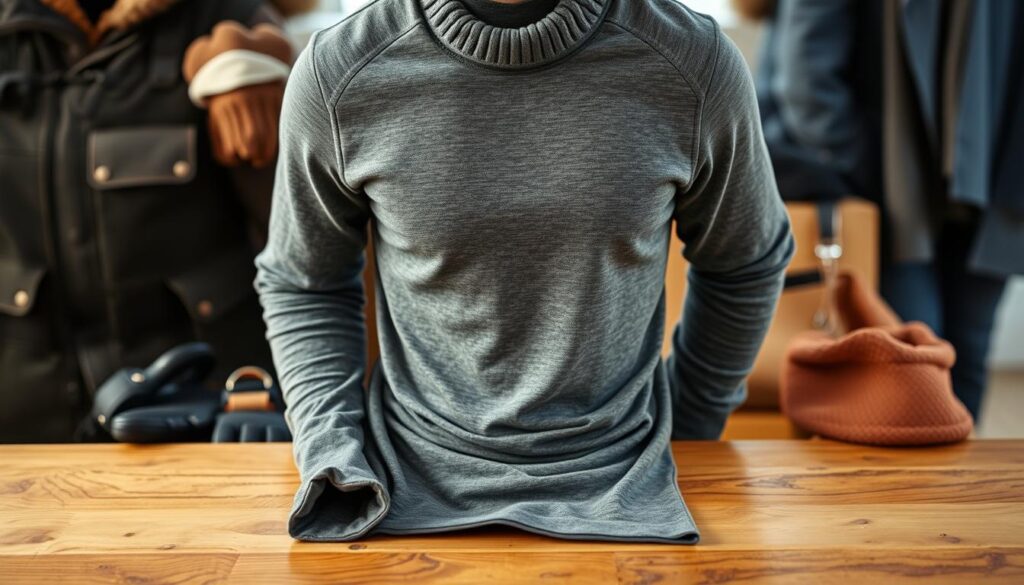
(770, 511)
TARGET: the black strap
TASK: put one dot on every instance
(803, 278)
(826, 235)
(826, 221)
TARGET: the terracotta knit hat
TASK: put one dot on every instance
(238, 74)
(883, 383)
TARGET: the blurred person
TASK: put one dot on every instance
(129, 213)
(522, 164)
(917, 105)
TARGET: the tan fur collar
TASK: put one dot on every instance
(123, 14)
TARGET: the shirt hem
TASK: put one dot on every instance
(684, 532)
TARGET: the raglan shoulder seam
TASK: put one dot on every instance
(367, 59)
(660, 51)
(331, 103)
(711, 82)
(698, 92)
(338, 160)
(347, 80)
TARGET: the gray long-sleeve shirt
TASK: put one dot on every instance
(522, 185)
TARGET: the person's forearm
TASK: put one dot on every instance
(318, 341)
(310, 284)
(724, 323)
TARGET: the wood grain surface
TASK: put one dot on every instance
(769, 511)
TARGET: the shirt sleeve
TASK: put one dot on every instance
(309, 281)
(737, 240)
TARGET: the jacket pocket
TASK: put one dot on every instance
(141, 156)
(19, 287)
(211, 289)
(224, 310)
(25, 318)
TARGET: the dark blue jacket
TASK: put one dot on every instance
(820, 92)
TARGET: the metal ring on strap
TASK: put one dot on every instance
(248, 399)
(249, 373)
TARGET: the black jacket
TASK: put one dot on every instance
(119, 235)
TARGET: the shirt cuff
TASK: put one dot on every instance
(340, 497)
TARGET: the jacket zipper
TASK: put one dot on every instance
(50, 227)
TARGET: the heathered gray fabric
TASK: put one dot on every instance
(522, 203)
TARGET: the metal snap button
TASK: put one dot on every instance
(204, 308)
(21, 299)
(101, 174)
(181, 169)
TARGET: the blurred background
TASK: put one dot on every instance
(859, 115)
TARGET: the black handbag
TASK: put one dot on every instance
(169, 402)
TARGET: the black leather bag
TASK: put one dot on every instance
(169, 402)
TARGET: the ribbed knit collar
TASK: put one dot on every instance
(562, 31)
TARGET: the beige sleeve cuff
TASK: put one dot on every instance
(232, 70)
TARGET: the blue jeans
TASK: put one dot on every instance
(958, 304)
